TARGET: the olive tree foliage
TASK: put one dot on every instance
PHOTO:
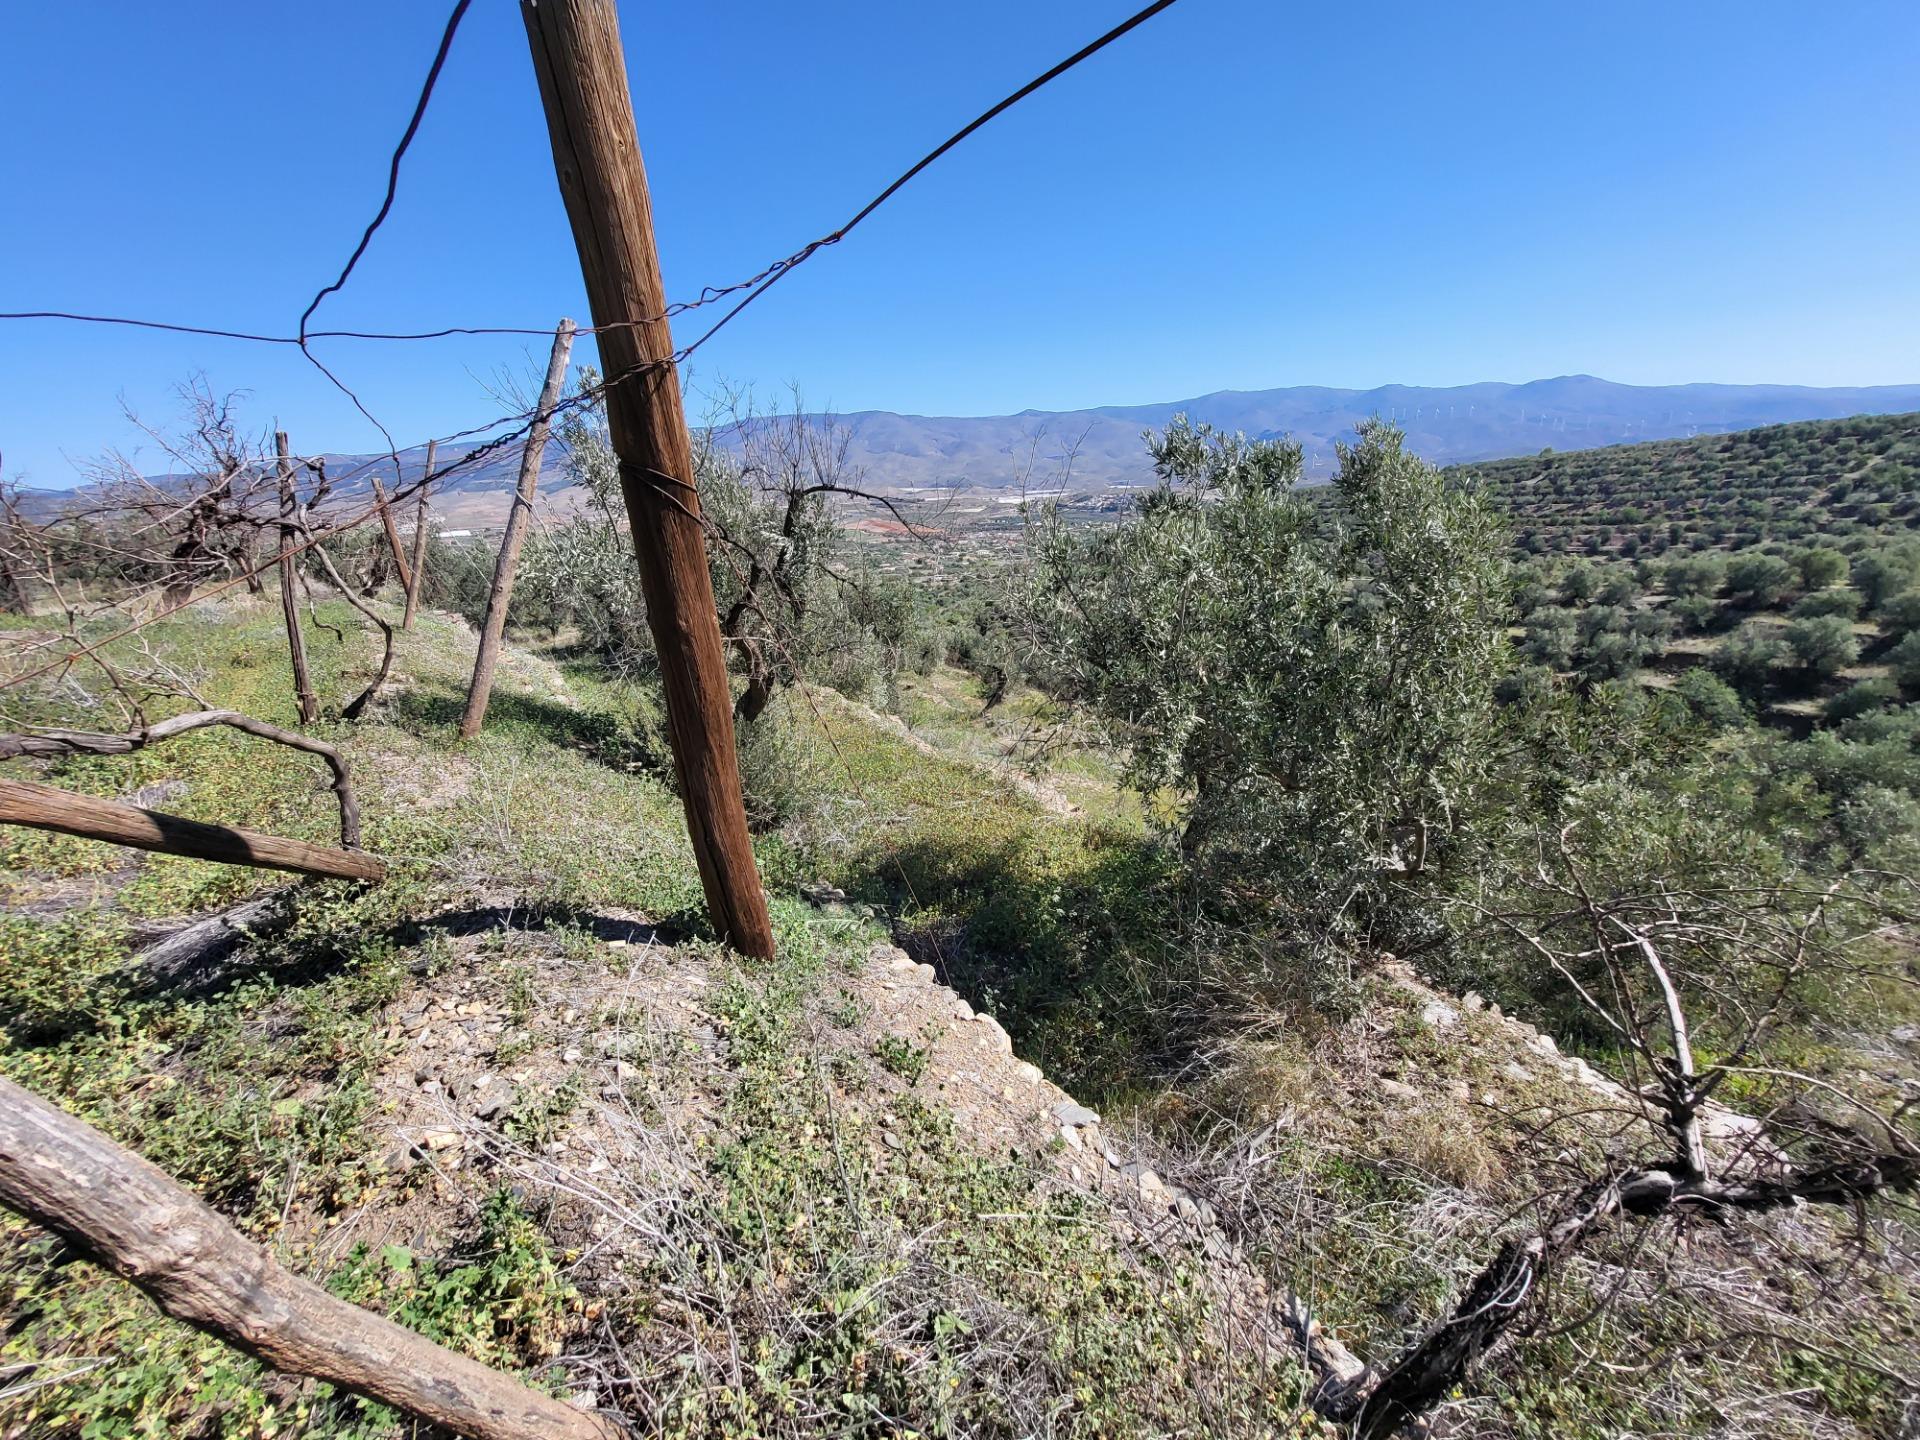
(582, 573)
(1307, 687)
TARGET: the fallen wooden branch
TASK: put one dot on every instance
(1430, 1369)
(46, 807)
(123, 1212)
(48, 744)
(189, 957)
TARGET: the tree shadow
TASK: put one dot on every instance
(621, 742)
(485, 919)
(211, 954)
(1074, 961)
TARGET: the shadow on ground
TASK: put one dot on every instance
(483, 919)
(1068, 957)
(623, 742)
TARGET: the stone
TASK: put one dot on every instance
(1072, 1112)
(1905, 1035)
(1472, 1001)
(1590, 1077)
(1517, 1072)
(496, 1104)
(571, 1056)
(1438, 1015)
(442, 1140)
(1071, 1135)
(1153, 1189)
(995, 1033)
(1029, 1072)
(1398, 1090)
(1542, 1044)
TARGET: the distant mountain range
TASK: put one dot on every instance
(1486, 421)
(1466, 422)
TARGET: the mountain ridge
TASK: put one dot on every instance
(1099, 447)
(1501, 419)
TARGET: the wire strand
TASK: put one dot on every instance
(757, 284)
(393, 166)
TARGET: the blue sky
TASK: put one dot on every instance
(1242, 194)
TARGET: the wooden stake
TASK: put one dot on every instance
(518, 518)
(289, 604)
(596, 155)
(46, 807)
(114, 1207)
(417, 581)
(393, 531)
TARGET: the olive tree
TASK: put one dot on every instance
(1820, 566)
(1757, 580)
(1884, 572)
(1312, 685)
(1823, 644)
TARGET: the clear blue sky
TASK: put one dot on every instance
(1245, 193)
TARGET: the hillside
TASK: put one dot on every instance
(1826, 478)
(512, 1098)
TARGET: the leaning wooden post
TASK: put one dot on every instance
(128, 1215)
(596, 155)
(289, 603)
(392, 530)
(417, 580)
(501, 595)
(47, 807)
